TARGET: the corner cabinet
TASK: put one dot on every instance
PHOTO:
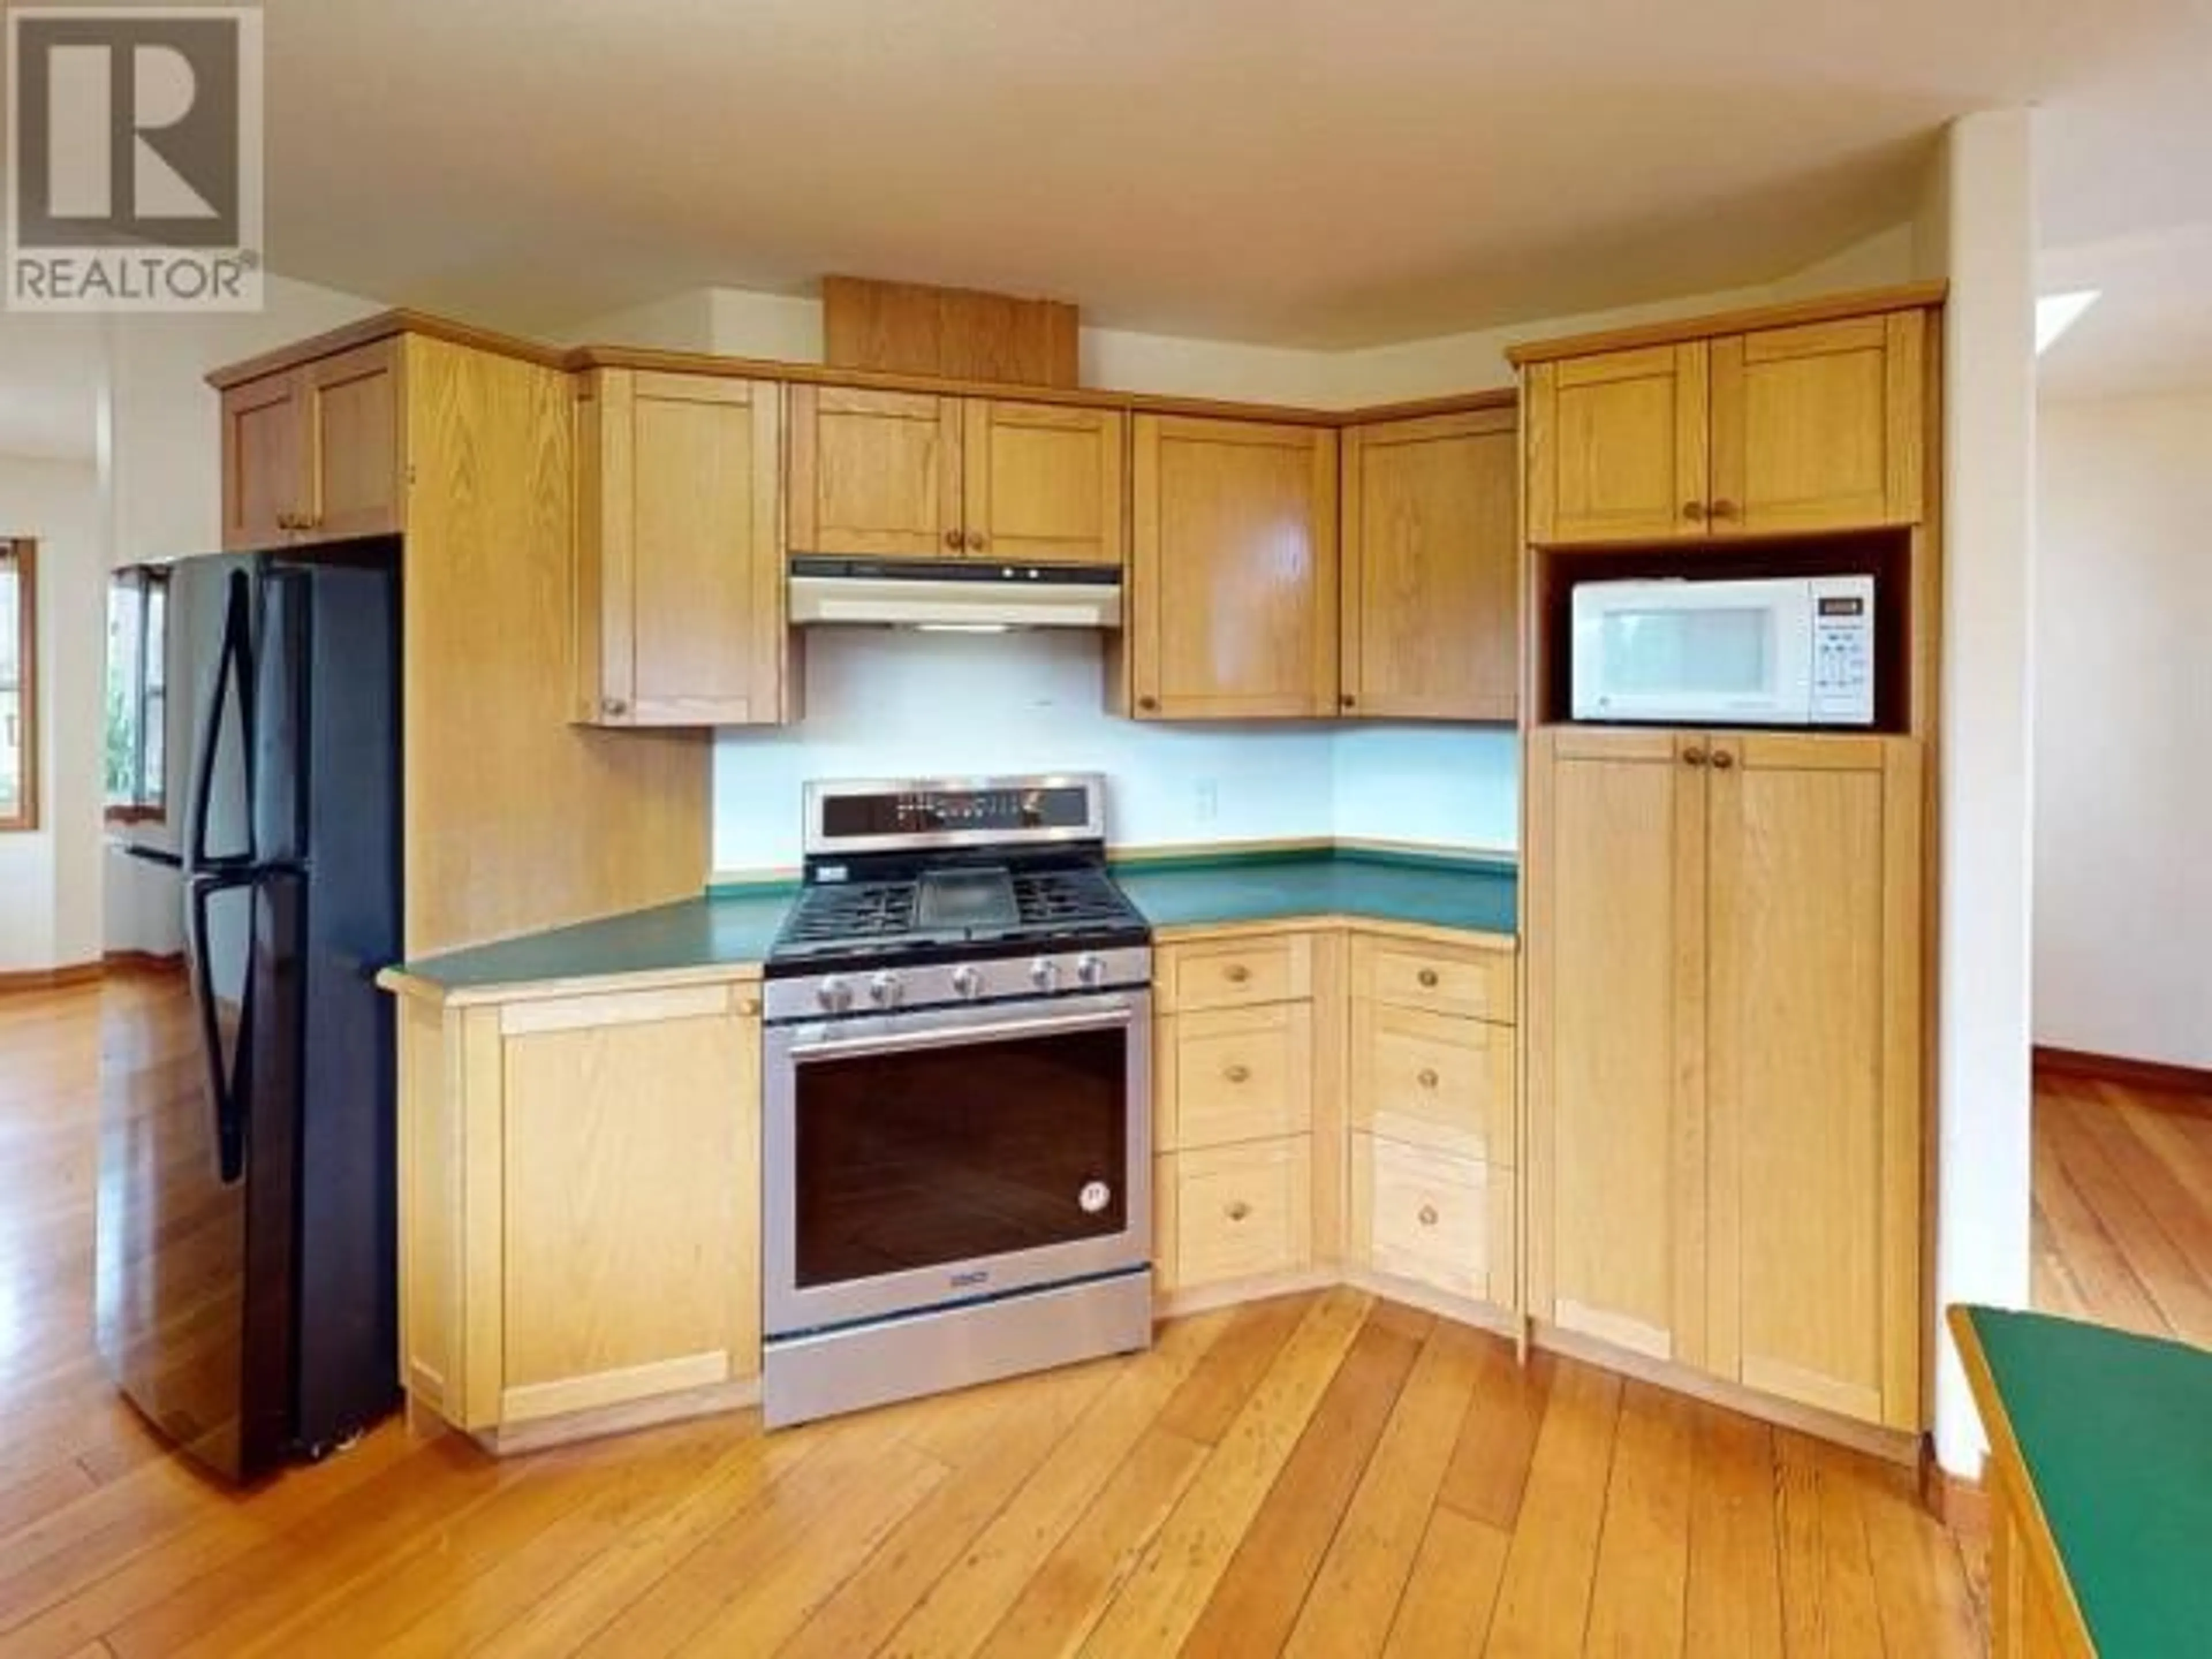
(680, 616)
(313, 453)
(897, 475)
(1724, 1067)
(1432, 564)
(1233, 578)
(578, 1205)
(1813, 427)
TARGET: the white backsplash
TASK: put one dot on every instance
(885, 704)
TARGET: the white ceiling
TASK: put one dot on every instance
(1302, 171)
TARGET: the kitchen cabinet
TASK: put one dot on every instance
(1233, 600)
(1813, 426)
(578, 1205)
(312, 453)
(1431, 561)
(1724, 1050)
(680, 616)
(894, 475)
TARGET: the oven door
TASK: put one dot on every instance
(918, 1160)
(1696, 651)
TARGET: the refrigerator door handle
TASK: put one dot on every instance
(223, 1081)
(233, 677)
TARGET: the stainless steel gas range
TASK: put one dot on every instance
(958, 1095)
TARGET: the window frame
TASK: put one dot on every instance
(23, 553)
(143, 808)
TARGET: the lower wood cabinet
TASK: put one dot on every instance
(579, 1226)
(1231, 1212)
(1432, 1218)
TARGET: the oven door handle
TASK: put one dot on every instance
(963, 1035)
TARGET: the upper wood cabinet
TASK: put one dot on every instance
(680, 617)
(1723, 1056)
(1815, 427)
(1431, 564)
(313, 453)
(1233, 579)
(894, 475)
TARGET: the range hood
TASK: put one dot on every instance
(954, 595)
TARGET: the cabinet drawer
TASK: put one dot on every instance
(1435, 1080)
(1424, 1215)
(1235, 973)
(1236, 1074)
(1236, 1211)
(1478, 984)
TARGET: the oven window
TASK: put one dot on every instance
(947, 1155)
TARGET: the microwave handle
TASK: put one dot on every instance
(960, 1036)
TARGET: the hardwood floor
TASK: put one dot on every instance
(1325, 1474)
(2123, 1207)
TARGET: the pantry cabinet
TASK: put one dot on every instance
(1813, 426)
(1431, 560)
(312, 453)
(578, 1205)
(680, 616)
(1723, 1052)
(896, 475)
(1233, 577)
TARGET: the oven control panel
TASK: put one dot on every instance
(939, 984)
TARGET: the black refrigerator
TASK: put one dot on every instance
(245, 1272)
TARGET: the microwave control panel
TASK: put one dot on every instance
(1842, 651)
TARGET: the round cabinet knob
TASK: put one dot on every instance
(1044, 974)
(1693, 512)
(1090, 969)
(952, 540)
(975, 541)
(1347, 701)
(1238, 1211)
(287, 521)
(1150, 705)
(1238, 1074)
(1237, 973)
(1722, 760)
(884, 989)
(1428, 1215)
(1427, 1078)
(834, 994)
(1427, 977)
(1726, 510)
(966, 981)
(613, 706)
(1694, 757)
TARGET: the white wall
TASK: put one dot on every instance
(49, 877)
(2123, 687)
(1979, 224)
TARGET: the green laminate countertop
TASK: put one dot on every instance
(733, 927)
(1469, 895)
(2116, 1431)
(721, 930)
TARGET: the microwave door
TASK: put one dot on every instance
(1703, 651)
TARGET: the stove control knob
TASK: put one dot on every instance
(967, 982)
(884, 989)
(1090, 969)
(1044, 974)
(834, 994)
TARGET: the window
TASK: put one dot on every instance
(137, 693)
(18, 702)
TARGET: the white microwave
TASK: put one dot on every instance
(1779, 651)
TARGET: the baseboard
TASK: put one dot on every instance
(1960, 1503)
(49, 979)
(2117, 1068)
(142, 962)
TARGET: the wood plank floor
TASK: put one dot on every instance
(1325, 1474)
(2123, 1207)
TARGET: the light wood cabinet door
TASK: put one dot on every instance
(875, 474)
(263, 470)
(1813, 975)
(1431, 561)
(1231, 1212)
(1614, 891)
(1044, 483)
(1233, 570)
(1431, 1216)
(629, 1132)
(1617, 446)
(680, 609)
(1820, 426)
(350, 408)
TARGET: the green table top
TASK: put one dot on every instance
(2115, 1431)
(734, 926)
